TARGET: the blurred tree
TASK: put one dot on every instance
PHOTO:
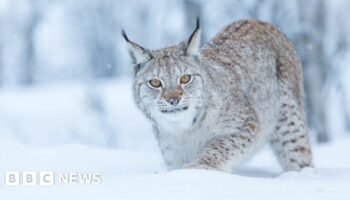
(1, 64)
(310, 43)
(18, 22)
(97, 25)
(335, 73)
(28, 73)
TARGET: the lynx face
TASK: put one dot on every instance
(167, 82)
(169, 86)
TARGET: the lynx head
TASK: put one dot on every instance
(167, 83)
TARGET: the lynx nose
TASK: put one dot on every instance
(173, 97)
(174, 101)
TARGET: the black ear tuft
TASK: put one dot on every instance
(195, 31)
(197, 23)
(137, 53)
(125, 36)
(193, 42)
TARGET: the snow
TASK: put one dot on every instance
(61, 113)
(137, 175)
(52, 128)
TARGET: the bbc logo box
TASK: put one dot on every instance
(29, 178)
(12, 178)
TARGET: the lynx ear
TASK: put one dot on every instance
(137, 53)
(193, 43)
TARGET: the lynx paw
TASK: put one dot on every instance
(198, 166)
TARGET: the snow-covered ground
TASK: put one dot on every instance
(137, 175)
(53, 128)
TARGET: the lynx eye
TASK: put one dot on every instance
(185, 79)
(155, 83)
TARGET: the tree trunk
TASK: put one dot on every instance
(310, 42)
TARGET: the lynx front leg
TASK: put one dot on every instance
(225, 152)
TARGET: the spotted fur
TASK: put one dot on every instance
(245, 90)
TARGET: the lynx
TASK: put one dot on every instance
(212, 107)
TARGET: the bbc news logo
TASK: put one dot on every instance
(48, 178)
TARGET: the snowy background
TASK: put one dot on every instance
(66, 102)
